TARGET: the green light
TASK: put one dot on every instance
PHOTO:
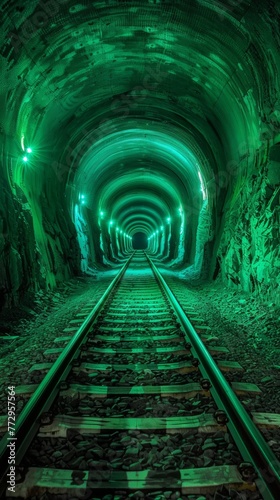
(204, 192)
(117, 229)
(157, 231)
(83, 202)
(161, 227)
(82, 196)
(29, 150)
(168, 219)
(121, 231)
(101, 213)
(25, 158)
(111, 222)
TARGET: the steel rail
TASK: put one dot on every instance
(249, 440)
(28, 421)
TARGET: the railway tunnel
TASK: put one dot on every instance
(123, 117)
(144, 130)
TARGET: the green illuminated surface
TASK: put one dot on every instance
(151, 110)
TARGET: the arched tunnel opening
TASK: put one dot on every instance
(141, 125)
(139, 241)
(159, 127)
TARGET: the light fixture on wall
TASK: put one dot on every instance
(25, 158)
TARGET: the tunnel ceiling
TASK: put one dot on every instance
(137, 106)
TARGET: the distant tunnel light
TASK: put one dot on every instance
(25, 158)
(82, 196)
(168, 219)
(29, 150)
(111, 222)
(101, 213)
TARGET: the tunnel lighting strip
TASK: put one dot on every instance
(28, 421)
(249, 440)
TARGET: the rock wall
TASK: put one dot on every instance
(19, 255)
(249, 251)
(200, 268)
(38, 242)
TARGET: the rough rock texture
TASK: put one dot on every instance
(19, 255)
(38, 247)
(249, 252)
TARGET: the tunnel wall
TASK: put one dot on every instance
(249, 252)
(38, 241)
(20, 268)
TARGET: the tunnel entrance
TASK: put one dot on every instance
(139, 241)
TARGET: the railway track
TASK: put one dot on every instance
(132, 405)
